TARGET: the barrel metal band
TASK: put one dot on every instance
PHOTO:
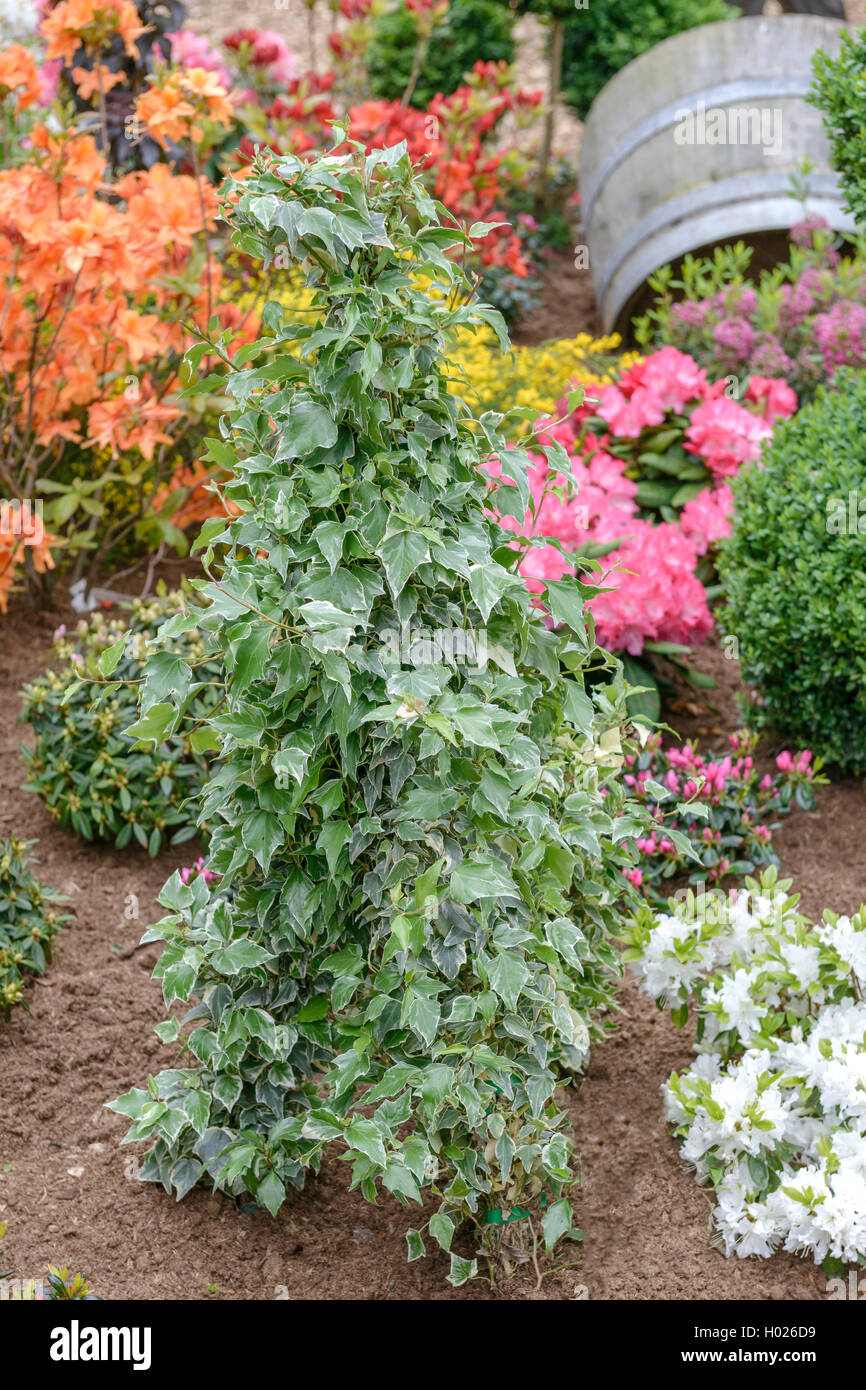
(737, 188)
(755, 89)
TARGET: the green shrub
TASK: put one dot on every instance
(28, 922)
(839, 90)
(601, 39)
(92, 779)
(471, 31)
(792, 572)
(419, 849)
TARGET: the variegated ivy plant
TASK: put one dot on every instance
(420, 850)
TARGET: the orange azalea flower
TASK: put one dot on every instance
(90, 24)
(177, 103)
(13, 553)
(122, 424)
(201, 502)
(166, 113)
(18, 69)
(89, 80)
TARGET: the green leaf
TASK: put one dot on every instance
(308, 426)
(416, 1245)
(401, 553)
(508, 974)
(111, 656)
(479, 877)
(271, 1193)
(461, 1271)
(442, 1229)
(363, 1135)
(556, 1222)
(152, 728)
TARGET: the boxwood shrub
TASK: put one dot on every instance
(794, 576)
(91, 777)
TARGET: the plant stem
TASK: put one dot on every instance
(553, 86)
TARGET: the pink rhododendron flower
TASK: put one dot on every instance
(725, 435)
(706, 518)
(670, 377)
(778, 398)
(653, 594)
(628, 415)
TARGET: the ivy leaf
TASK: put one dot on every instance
(461, 1271)
(308, 426)
(508, 974)
(152, 728)
(363, 1135)
(442, 1230)
(479, 877)
(262, 834)
(111, 656)
(556, 1222)
(401, 553)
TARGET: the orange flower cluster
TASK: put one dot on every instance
(200, 503)
(83, 295)
(12, 553)
(18, 73)
(92, 25)
(180, 101)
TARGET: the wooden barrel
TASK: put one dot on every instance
(694, 143)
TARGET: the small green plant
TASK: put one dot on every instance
(417, 816)
(792, 574)
(28, 922)
(91, 776)
(470, 31)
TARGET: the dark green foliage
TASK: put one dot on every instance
(472, 31)
(839, 90)
(793, 575)
(88, 773)
(602, 38)
(28, 922)
(419, 866)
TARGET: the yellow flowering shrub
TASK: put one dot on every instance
(533, 377)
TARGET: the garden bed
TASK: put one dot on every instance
(89, 1036)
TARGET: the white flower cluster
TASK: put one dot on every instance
(773, 1110)
(18, 20)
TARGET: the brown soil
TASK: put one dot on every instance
(567, 305)
(89, 1037)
